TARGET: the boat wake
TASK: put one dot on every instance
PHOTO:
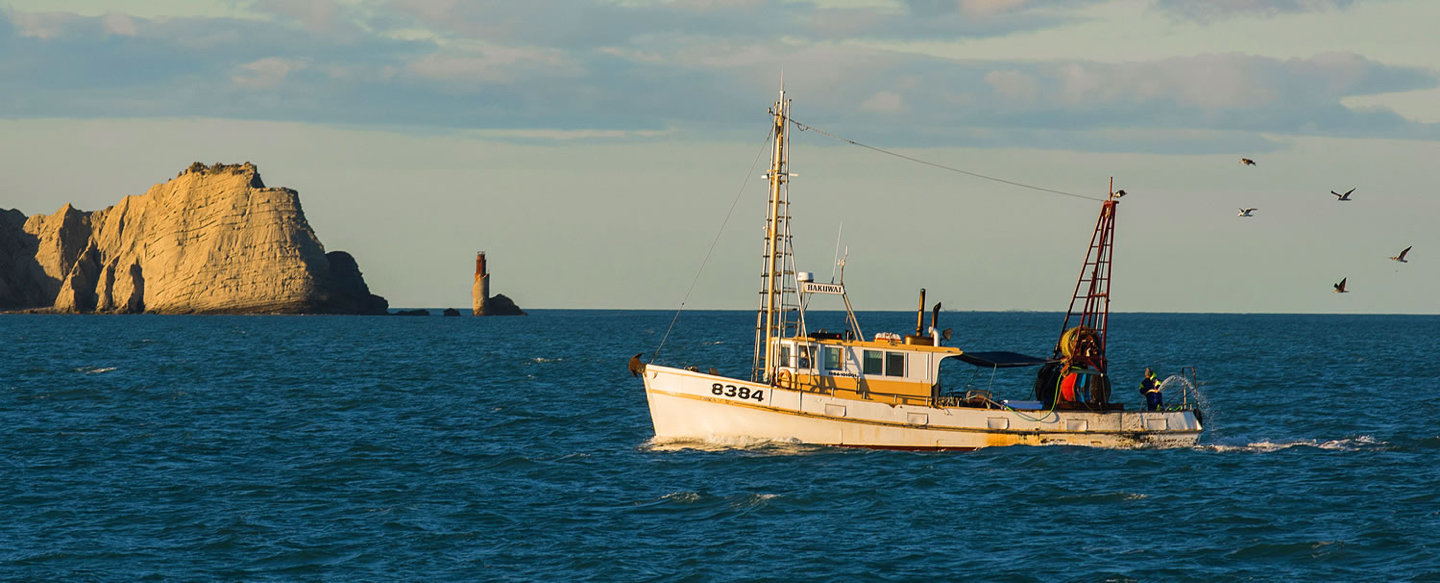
(1360, 443)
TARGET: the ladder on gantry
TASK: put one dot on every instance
(1092, 290)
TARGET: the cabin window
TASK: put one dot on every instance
(874, 362)
(806, 354)
(832, 358)
(894, 364)
(784, 355)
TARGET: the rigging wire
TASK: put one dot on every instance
(802, 127)
(713, 243)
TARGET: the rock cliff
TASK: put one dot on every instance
(212, 240)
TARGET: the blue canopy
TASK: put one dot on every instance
(1002, 359)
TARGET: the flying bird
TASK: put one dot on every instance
(1345, 196)
(1245, 211)
(1247, 161)
(1340, 287)
(1119, 193)
(636, 367)
(1401, 256)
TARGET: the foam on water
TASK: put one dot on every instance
(732, 443)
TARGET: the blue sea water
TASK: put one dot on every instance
(519, 449)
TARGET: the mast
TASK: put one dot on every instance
(772, 320)
(1093, 287)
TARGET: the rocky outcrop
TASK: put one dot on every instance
(212, 240)
(348, 292)
(502, 305)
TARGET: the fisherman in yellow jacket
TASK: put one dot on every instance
(1150, 387)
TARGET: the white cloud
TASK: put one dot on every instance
(989, 8)
(1082, 84)
(42, 25)
(119, 24)
(265, 73)
(1014, 84)
(492, 65)
(1217, 9)
(884, 102)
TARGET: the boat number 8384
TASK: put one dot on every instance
(734, 391)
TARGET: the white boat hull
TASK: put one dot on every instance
(692, 406)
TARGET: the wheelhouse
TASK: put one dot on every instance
(884, 369)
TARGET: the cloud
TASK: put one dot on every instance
(970, 8)
(1209, 10)
(567, 24)
(989, 8)
(494, 65)
(318, 16)
(119, 24)
(265, 73)
(1014, 84)
(43, 25)
(884, 102)
(687, 67)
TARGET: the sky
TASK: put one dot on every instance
(601, 151)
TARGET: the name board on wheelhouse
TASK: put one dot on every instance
(811, 287)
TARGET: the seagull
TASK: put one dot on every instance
(1401, 256)
(1340, 287)
(1119, 193)
(636, 367)
(1245, 211)
(1345, 196)
(1247, 161)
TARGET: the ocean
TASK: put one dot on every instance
(335, 448)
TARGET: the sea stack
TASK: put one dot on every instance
(212, 240)
(481, 303)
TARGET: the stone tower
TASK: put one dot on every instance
(480, 292)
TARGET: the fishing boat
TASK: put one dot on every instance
(884, 391)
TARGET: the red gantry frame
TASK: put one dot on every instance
(1092, 291)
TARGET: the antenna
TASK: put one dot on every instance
(835, 260)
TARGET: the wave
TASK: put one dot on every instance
(1100, 498)
(94, 369)
(685, 497)
(737, 502)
